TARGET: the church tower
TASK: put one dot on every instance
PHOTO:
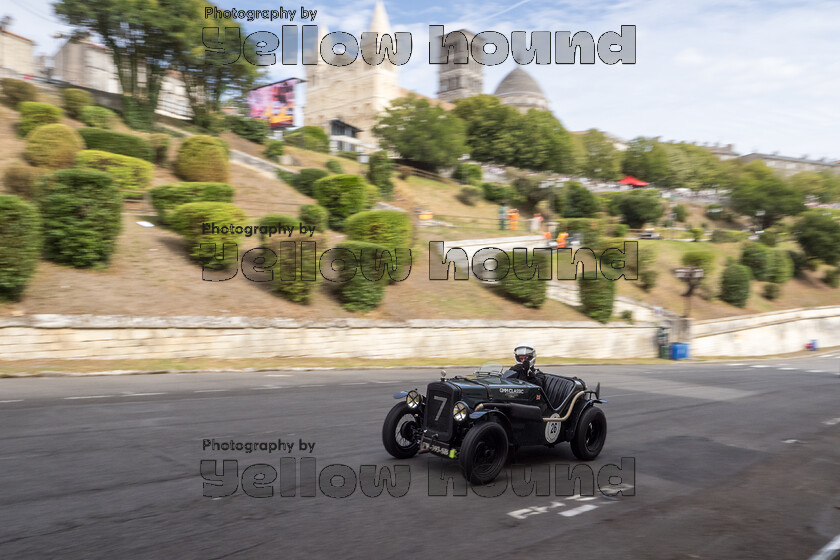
(354, 94)
(460, 80)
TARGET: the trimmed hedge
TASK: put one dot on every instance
(15, 91)
(334, 166)
(597, 296)
(117, 143)
(82, 209)
(390, 228)
(349, 155)
(780, 268)
(728, 236)
(315, 215)
(496, 192)
(75, 100)
(469, 195)
(306, 178)
(33, 115)
(160, 144)
(273, 150)
(166, 198)
(22, 179)
(203, 159)
(309, 138)
(20, 245)
(530, 292)
(359, 293)
(380, 169)
(288, 281)
(53, 145)
(832, 277)
(129, 173)
(800, 262)
(255, 130)
(342, 196)
(279, 221)
(757, 257)
(771, 291)
(98, 117)
(187, 219)
(735, 285)
(468, 173)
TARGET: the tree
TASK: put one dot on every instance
(540, 143)
(759, 190)
(823, 186)
(819, 235)
(640, 207)
(579, 202)
(487, 124)
(645, 159)
(603, 161)
(428, 137)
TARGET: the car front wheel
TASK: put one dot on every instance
(590, 435)
(484, 452)
(401, 432)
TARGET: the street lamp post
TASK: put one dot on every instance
(691, 275)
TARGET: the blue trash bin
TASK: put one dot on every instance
(679, 351)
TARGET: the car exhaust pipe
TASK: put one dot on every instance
(568, 412)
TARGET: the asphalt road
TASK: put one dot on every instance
(731, 460)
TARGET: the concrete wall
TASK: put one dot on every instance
(110, 337)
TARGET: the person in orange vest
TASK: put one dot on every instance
(513, 219)
(561, 239)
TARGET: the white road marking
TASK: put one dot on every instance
(211, 391)
(302, 386)
(277, 375)
(816, 371)
(583, 498)
(832, 422)
(359, 383)
(266, 387)
(788, 368)
(12, 400)
(578, 510)
(734, 365)
(385, 381)
(87, 397)
(758, 366)
(791, 441)
(141, 394)
(828, 551)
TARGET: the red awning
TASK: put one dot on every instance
(632, 181)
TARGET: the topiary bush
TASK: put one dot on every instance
(255, 130)
(166, 198)
(203, 159)
(530, 292)
(832, 277)
(349, 155)
(468, 173)
(303, 182)
(75, 100)
(648, 272)
(799, 261)
(22, 179)
(98, 117)
(771, 291)
(342, 196)
(15, 91)
(315, 215)
(129, 173)
(188, 220)
(469, 195)
(359, 293)
(334, 166)
(279, 221)
(780, 267)
(372, 192)
(380, 169)
(289, 281)
(596, 297)
(20, 245)
(496, 192)
(389, 228)
(273, 150)
(757, 257)
(117, 143)
(735, 285)
(768, 237)
(81, 208)
(33, 115)
(309, 138)
(53, 145)
(160, 145)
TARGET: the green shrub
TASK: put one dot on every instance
(20, 245)
(279, 221)
(187, 219)
(309, 138)
(768, 237)
(756, 257)
(117, 143)
(372, 192)
(216, 122)
(468, 173)
(53, 145)
(160, 145)
(469, 195)
(680, 213)
(98, 117)
(799, 261)
(735, 285)
(496, 192)
(359, 293)
(648, 272)
(297, 289)
(380, 169)
(22, 179)
(255, 130)
(728, 236)
(697, 234)
(286, 176)
(771, 291)
(15, 91)
(273, 150)
(166, 198)
(75, 100)
(81, 209)
(129, 173)
(315, 215)
(334, 166)
(832, 277)
(202, 159)
(342, 196)
(627, 316)
(306, 178)
(530, 292)
(33, 115)
(621, 230)
(780, 267)
(389, 228)
(596, 297)
(349, 155)
(714, 212)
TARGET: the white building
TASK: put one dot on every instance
(16, 58)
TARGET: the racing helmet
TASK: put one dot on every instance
(525, 354)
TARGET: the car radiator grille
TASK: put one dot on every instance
(439, 411)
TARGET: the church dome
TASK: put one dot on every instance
(521, 90)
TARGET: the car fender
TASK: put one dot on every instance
(492, 416)
(401, 395)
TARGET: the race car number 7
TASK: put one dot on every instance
(440, 408)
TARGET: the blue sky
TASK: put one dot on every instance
(762, 75)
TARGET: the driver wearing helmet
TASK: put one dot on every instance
(526, 356)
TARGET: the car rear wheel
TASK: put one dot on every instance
(484, 452)
(401, 432)
(590, 435)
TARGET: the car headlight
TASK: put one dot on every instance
(460, 411)
(412, 399)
